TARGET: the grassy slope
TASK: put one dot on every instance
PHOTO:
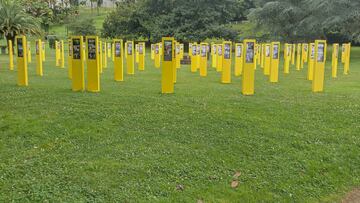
(129, 142)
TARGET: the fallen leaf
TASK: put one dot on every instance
(237, 174)
(234, 184)
(180, 187)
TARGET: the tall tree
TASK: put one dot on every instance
(15, 21)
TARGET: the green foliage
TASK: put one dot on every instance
(82, 26)
(308, 19)
(15, 21)
(39, 9)
(183, 19)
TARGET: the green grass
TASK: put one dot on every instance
(130, 143)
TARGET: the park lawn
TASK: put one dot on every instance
(131, 143)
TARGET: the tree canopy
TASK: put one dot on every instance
(183, 19)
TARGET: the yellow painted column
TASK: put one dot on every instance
(141, 47)
(177, 54)
(181, 52)
(305, 52)
(203, 60)
(104, 58)
(93, 70)
(44, 51)
(174, 62)
(62, 54)
(167, 70)
(194, 58)
(137, 53)
(347, 59)
(22, 55)
(57, 53)
(298, 57)
(29, 59)
(38, 53)
(310, 74)
(113, 52)
(119, 61)
(198, 57)
(319, 67)
(109, 49)
(226, 69)
(267, 59)
(213, 55)
(238, 59)
(334, 62)
(157, 56)
(293, 52)
(130, 58)
(70, 59)
(100, 61)
(275, 58)
(219, 58)
(190, 49)
(302, 57)
(258, 54)
(11, 55)
(343, 51)
(287, 56)
(248, 76)
(262, 55)
(152, 51)
(78, 81)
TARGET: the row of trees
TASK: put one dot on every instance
(186, 20)
(295, 20)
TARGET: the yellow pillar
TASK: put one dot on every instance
(226, 69)
(275, 58)
(109, 49)
(293, 51)
(334, 62)
(39, 62)
(287, 58)
(43, 51)
(113, 52)
(203, 60)
(194, 58)
(262, 55)
(238, 59)
(62, 54)
(198, 56)
(152, 51)
(298, 57)
(347, 59)
(343, 51)
(310, 74)
(57, 53)
(119, 61)
(78, 81)
(157, 56)
(130, 58)
(22, 55)
(219, 58)
(11, 55)
(248, 76)
(319, 67)
(305, 52)
(141, 47)
(29, 59)
(302, 57)
(104, 58)
(93, 70)
(177, 53)
(267, 63)
(70, 59)
(100, 61)
(167, 80)
(190, 49)
(137, 53)
(213, 55)
(258, 54)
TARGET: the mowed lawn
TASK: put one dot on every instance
(130, 143)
